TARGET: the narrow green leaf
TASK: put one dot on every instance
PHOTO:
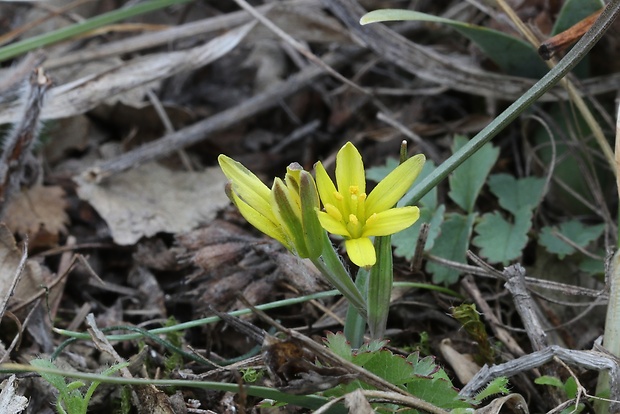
(36, 42)
(515, 56)
(380, 287)
(330, 265)
(573, 230)
(501, 241)
(515, 194)
(467, 180)
(452, 245)
(549, 380)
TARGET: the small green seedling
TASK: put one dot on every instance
(70, 398)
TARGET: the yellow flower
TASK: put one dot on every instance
(277, 212)
(350, 213)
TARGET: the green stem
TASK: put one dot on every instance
(331, 266)
(68, 32)
(308, 401)
(527, 99)
(380, 287)
(355, 324)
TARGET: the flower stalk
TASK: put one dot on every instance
(290, 213)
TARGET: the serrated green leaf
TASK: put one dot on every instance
(58, 381)
(574, 231)
(513, 194)
(451, 244)
(405, 242)
(467, 180)
(392, 368)
(439, 392)
(515, 56)
(499, 240)
(339, 345)
(425, 367)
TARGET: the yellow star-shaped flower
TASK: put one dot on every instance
(355, 216)
(287, 212)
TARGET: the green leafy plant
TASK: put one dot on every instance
(70, 399)
(569, 387)
(502, 234)
(420, 376)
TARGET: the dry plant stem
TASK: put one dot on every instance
(102, 343)
(526, 307)
(335, 359)
(11, 78)
(298, 46)
(153, 39)
(382, 396)
(569, 86)
(594, 360)
(17, 146)
(203, 129)
(528, 311)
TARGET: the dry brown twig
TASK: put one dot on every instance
(18, 144)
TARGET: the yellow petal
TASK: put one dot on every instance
(261, 222)
(361, 251)
(247, 186)
(393, 187)
(350, 170)
(332, 225)
(390, 221)
(325, 185)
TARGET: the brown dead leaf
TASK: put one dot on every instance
(83, 94)
(152, 199)
(38, 213)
